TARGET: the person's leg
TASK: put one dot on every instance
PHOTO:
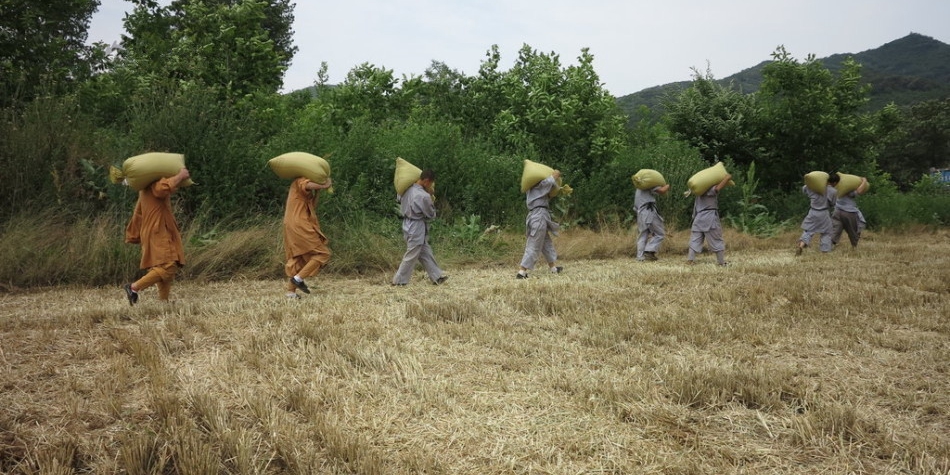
(657, 234)
(427, 259)
(533, 244)
(695, 245)
(161, 275)
(717, 245)
(550, 253)
(314, 261)
(836, 227)
(409, 259)
(643, 236)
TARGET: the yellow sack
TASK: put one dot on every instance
(848, 183)
(705, 179)
(647, 179)
(406, 174)
(817, 181)
(141, 171)
(293, 165)
(533, 173)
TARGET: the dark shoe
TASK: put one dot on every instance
(131, 294)
(723, 264)
(397, 285)
(650, 256)
(521, 276)
(300, 285)
(441, 280)
(556, 270)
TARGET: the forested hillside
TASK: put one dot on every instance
(906, 71)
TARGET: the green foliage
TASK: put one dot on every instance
(42, 47)
(719, 121)
(233, 47)
(751, 216)
(812, 120)
(920, 142)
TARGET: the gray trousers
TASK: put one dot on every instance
(538, 241)
(417, 251)
(848, 222)
(650, 237)
(825, 242)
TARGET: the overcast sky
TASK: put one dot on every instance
(636, 44)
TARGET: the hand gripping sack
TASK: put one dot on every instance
(142, 170)
(848, 183)
(647, 179)
(293, 165)
(705, 179)
(817, 181)
(406, 174)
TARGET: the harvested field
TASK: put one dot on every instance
(833, 363)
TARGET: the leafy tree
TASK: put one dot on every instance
(561, 115)
(233, 47)
(812, 119)
(42, 46)
(921, 142)
(718, 120)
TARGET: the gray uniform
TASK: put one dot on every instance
(706, 225)
(649, 222)
(848, 218)
(818, 219)
(539, 225)
(417, 209)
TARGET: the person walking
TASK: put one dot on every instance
(706, 225)
(649, 222)
(540, 227)
(306, 248)
(847, 217)
(818, 219)
(154, 229)
(417, 209)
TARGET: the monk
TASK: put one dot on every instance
(706, 225)
(539, 228)
(818, 219)
(417, 210)
(305, 245)
(154, 228)
(649, 222)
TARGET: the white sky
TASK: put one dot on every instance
(636, 44)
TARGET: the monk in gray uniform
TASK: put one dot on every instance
(417, 210)
(649, 222)
(539, 227)
(706, 225)
(818, 219)
(847, 217)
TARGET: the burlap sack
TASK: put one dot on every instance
(406, 174)
(817, 181)
(141, 171)
(848, 183)
(532, 174)
(705, 179)
(293, 165)
(647, 179)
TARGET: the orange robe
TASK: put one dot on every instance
(302, 234)
(154, 227)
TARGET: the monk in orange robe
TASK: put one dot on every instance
(305, 246)
(153, 226)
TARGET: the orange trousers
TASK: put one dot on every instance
(162, 275)
(305, 265)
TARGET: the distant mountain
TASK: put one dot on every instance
(906, 71)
